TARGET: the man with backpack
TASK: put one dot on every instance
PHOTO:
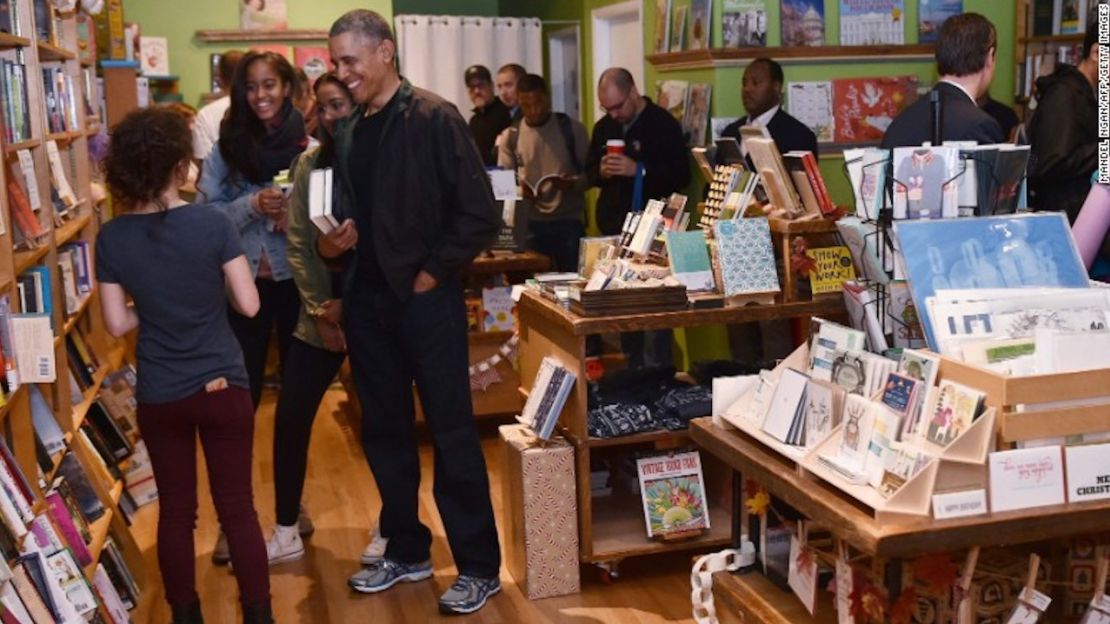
(547, 150)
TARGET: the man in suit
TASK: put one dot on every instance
(965, 52)
(762, 96)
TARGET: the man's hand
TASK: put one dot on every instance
(526, 192)
(566, 181)
(617, 165)
(338, 241)
(331, 335)
(270, 202)
(423, 282)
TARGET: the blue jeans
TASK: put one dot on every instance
(558, 240)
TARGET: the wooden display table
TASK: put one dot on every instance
(759, 601)
(612, 528)
(888, 542)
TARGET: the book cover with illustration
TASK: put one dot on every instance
(498, 309)
(678, 28)
(872, 22)
(696, 117)
(931, 14)
(832, 266)
(314, 60)
(863, 108)
(672, 96)
(662, 25)
(744, 23)
(673, 492)
(803, 23)
(701, 15)
(263, 15)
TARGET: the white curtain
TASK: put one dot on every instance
(435, 50)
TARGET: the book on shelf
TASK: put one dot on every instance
(688, 255)
(931, 15)
(695, 119)
(110, 596)
(547, 398)
(744, 23)
(84, 494)
(74, 532)
(117, 395)
(14, 611)
(154, 56)
(807, 180)
(678, 28)
(58, 178)
(498, 309)
(863, 108)
(28, 593)
(44, 21)
(832, 266)
(44, 582)
(13, 94)
(672, 489)
(314, 60)
(120, 574)
(99, 449)
(803, 23)
(810, 102)
(115, 439)
(672, 96)
(775, 177)
(44, 537)
(701, 17)
(872, 22)
(70, 580)
(139, 478)
(33, 341)
(746, 256)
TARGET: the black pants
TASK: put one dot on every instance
(306, 374)
(558, 240)
(280, 305)
(393, 344)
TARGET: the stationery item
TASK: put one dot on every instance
(959, 504)
(802, 574)
(872, 22)
(1024, 478)
(673, 491)
(900, 393)
(825, 343)
(787, 405)
(954, 408)
(746, 256)
(695, 121)
(811, 104)
(823, 405)
(744, 23)
(1088, 472)
(865, 167)
(881, 448)
(901, 465)
(688, 255)
(701, 15)
(864, 242)
(548, 396)
(863, 108)
(803, 23)
(662, 26)
(993, 252)
(862, 305)
(858, 422)
(931, 14)
(845, 583)
(925, 185)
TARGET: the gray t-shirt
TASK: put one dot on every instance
(171, 264)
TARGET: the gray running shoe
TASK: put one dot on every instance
(468, 594)
(387, 573)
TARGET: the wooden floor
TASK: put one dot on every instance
(343, 502)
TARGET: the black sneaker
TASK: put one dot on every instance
(468, 594)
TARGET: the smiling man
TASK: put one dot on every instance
(416, 198)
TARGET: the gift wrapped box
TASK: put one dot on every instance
(542, 532)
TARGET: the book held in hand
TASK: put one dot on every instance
(320, 200)
(673, 492)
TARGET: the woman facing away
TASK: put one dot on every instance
(261, 134)
(182, 264)
(318, 347)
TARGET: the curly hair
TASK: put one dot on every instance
(145, 151)
(241, 131)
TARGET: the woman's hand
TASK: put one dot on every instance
(270, 202)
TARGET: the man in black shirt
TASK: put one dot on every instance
(490, 117)
(654, 151)
(761, 92)
(412, 192)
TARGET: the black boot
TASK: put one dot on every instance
(258, 613)
(187, 614)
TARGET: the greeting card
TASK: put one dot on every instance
(1024, 478)
(802, 575)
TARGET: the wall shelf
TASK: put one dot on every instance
(49, 52)
(1073, 38)
(228, 36)
(736, 57)
(8, 42)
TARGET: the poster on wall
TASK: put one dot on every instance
(864, 107)
(314, 60)
(744, 23)
(262, 15)
(803, 23)
(872, 22)
(931, 14)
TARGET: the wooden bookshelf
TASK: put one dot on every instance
(733, 57)
(16, 257)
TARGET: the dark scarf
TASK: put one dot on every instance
(281, 144)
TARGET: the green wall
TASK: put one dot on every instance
(446, 7)
(189, 57)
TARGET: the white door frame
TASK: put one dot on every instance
(602, 44)
(556, 41)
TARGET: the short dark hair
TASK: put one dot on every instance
(1090, 39)
(479, 73)
(964, 43)
(158, 138)
(369, 24)
(228, 62)
(517, 69)
(532, 83)
(620, 78)
(773, 68)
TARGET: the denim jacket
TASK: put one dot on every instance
(234, 200)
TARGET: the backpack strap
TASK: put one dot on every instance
(568, 139)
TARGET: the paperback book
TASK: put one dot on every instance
(744, 23)
(931, 15)
(547, 397)
(662, 26)
(872, 22)
(803, 23)
(746, 256)
(863, 108)
(812, 104)
(701, 15)
(673, 491)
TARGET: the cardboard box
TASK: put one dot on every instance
(542, 533)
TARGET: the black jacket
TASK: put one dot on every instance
(655, 140)
(486, 124)
(433, 208)
(963, 121)
(1063, 139)
(788, 133)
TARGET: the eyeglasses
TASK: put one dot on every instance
(611, 109)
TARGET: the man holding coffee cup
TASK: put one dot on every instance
(637, 151)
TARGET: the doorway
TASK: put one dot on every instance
(566, 78)
(618, 38)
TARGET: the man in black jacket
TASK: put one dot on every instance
(491, 115)
(420, 208)
(964, 53)
(1063, 134)
(654, 151)
(761, 93)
